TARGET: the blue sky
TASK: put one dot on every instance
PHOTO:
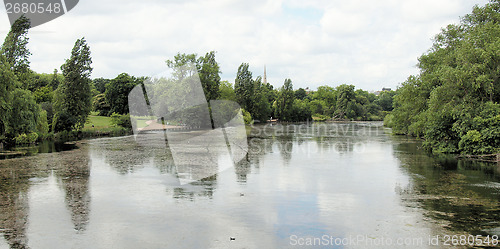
(370, 44)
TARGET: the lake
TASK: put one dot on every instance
(320, 185)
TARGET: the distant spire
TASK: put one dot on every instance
(265, 76)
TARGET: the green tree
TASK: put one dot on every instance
(385, 100)
(260, 107)
(300, 94)
(284, 101)
(346, 102)
(117, 91)
(15, 48)
(73, 96)
(24, 114)
(227, 91)
(458, 80)
(7, 85)
(209, 75)
(100, 105)
(100, 84)
(326, 98)
(180, 60)
(244, 87)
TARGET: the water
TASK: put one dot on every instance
(44, 147)
(331, 185)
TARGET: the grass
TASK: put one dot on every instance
(99, 122)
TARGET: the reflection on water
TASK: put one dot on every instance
(463, 195)
(296, 182)
(44, 147)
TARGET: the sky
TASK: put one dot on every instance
(370, 44)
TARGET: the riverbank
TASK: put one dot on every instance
(96, 127)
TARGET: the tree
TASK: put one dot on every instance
(244, 87)
(458, 81)
(15, 48)
(346, 102)
(25, 113)
(226, 90)
(260, 108)
(209, 75)
(7, 85)
(300, 94)
(385, 100)
(180, 60)
(284, 101)
(73, 96)
(19, 113)
(117, 91)
(100, 84)
(326, 97)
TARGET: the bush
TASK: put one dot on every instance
(320, 117)
(388, 120)
(246, 116)
(26, 139)
(121, 120)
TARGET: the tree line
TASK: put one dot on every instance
(453, 102)
(35, 106)
(32, 105)
(260, 102)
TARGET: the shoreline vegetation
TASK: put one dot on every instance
(452, 104)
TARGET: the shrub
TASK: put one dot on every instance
(121, 120)
(26, 139)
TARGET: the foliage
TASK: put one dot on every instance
(209, 71)
(116, 94)
(43, 94)
(346, 102)
(300, 94)
(121, 120)
(384, 100)
(227, 91)
(284, 102)
(15, 48)
(244, 87)
(458, 88)
(30, 138)
(100, 105)
(42, 126)
(100, 84)
(72, 102)
(247, 118)
(24, 113)
(7, 85)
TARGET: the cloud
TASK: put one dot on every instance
(371, 44)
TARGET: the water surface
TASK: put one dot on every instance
(297, 183)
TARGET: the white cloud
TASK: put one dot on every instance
(370, 44)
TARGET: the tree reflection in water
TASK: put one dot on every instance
(17, 175)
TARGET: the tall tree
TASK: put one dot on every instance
(179, 63)
(284, 101)
(244, 86)
(209, 75)
(15, 47)
(7, 85)
(260, 108)
(73, 96)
